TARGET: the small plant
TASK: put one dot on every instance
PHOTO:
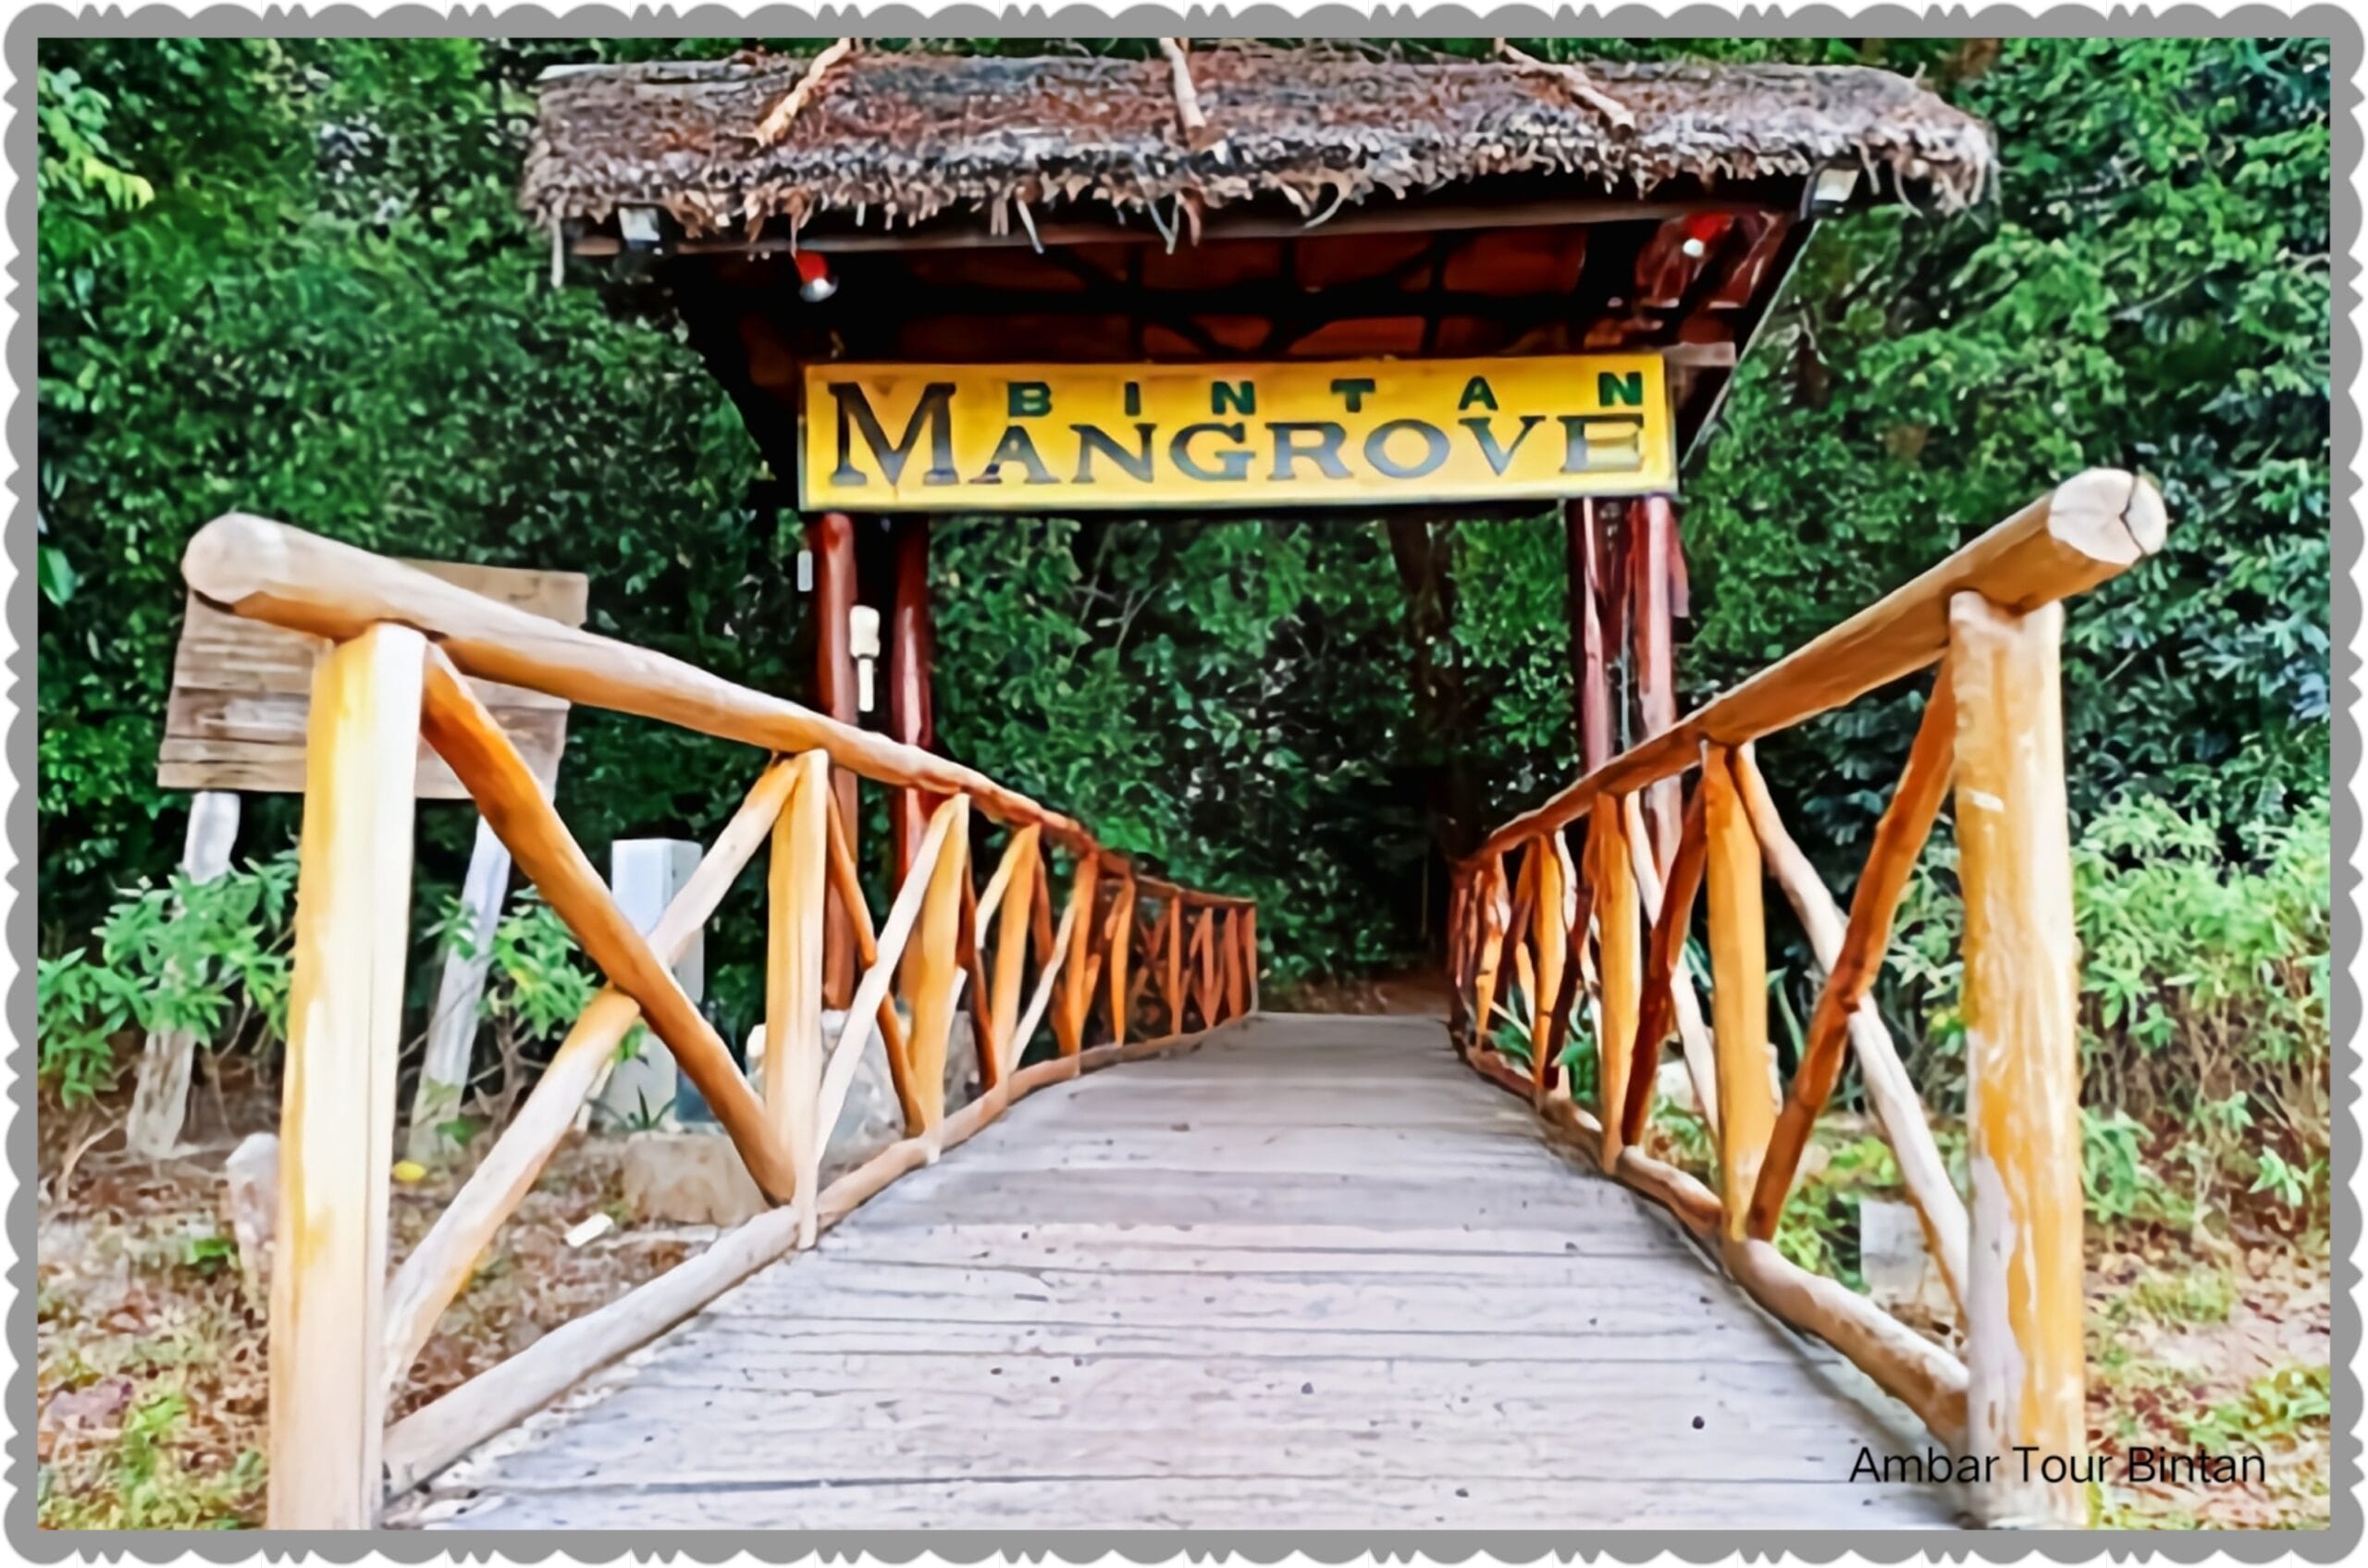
(210, 959)
(2288, 1184)
(210, 1254)
(2117, 1177)
(537, 988)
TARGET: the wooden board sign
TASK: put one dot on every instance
(242, 693)
(1034, 437)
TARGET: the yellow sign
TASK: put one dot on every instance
(1054, 437)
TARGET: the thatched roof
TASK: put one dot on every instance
(905, 137)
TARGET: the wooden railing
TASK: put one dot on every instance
(343, 1336)
(1608, 932)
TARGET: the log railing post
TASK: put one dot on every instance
(337, 1123)
(1620, 968)
(830, 537)
(934, 964)
(796, 886)
(1738, 989)
(1076, 983)
(2025, 1360)
(1122, 947)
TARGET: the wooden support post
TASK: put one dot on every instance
(160, 1096)
(1670, 908)
(796, 882)
(1550, 934)
(936, 963)
(1899, 840)
(1652, 549)
(644, 876)
(1250, 950)
(336, 1125)
(1122, 946)
(1011, 950)
(1488, 932)
(1590, 677)
(460, 991)
(830, 539)
(1173, 922)
(912, 651)
(1077, 994)
(1620, 968)
(1738, 988)
(2025, 1360)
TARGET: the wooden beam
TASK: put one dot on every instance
(848, 882)
(1011, 947)
(1619, 972)
(456, 724)
(1899, 839)
(911, 653)
(337, 1121)
(268, 571)
(1653, 544)
(2087, 530)
(830, 539)
(1889, 1090)
(1685, 1009)
(1664, 968)
(796, 884)
(2024, 1351)
(932, 967)
(440, 1265)
(881, 968)
(1412, 217)
(1122, 933)
(1904, 1364)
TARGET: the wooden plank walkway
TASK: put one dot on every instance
(1316, 1275)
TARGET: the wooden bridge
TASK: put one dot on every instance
(1299, 1272)
(1313, 1273)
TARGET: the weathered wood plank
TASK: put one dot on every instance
(1314, 1274)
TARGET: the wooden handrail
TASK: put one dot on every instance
(267, 571)
(1991, 615)
(403, 646)
(2088, 529)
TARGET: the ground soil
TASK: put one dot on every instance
(152, 1358)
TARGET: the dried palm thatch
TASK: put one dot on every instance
(902, 138)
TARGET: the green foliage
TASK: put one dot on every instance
(2149, 290)
(1220, 702)
(2272, 1408)
(210, 958)
(539, 984)
(2204, 1004)
(1819, 1229)
(287, 275)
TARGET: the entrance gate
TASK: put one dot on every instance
(1224, 279)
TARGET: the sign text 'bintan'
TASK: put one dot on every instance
(1037, 438)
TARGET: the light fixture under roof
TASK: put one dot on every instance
(815, 282)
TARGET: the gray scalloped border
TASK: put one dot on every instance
(2332, 1545)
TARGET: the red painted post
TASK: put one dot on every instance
(1652, 547)
(911, 653)
(1591, 683)
(830, 539)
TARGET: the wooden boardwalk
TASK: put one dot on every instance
(1316, 1275)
